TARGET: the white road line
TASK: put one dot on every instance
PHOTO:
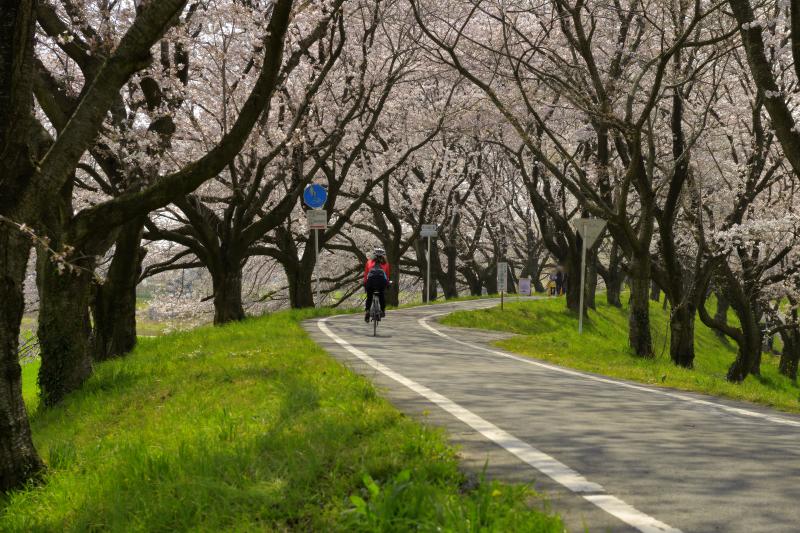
(677, 396)
(546, 464)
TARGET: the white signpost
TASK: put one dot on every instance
(431, 232)
(317, 220)
(502, 280)
(589, 229)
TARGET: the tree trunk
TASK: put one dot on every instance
(755, 367)
(537, 284)
(614, 290)
(473, 281)
(572, 280)
(512, 281)
(613, 277)
(790, 356)
(447, 279)
(301, 287)
(228, 295)
(721, 314)
(681, 326)
(758, 315)
(741, 367)
(639, 336)
(114, 304)
(749, 347)
(18, 458)
(655, 291)
(532, 270)
(591, 279)
(64, 328)
(19, 461)
(490, 279)
(393, 291)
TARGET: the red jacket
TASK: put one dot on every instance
(371, 263)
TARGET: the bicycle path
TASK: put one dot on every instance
(610, 455)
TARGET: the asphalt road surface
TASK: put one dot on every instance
(610, 455)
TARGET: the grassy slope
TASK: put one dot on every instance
(548, 332)
(250, 426)
(29, 389)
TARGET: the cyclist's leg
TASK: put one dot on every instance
(368, 304)
(382, 300)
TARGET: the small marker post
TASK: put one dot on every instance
(430, 231)
(583, 287)
(502, 280)
(429, 269)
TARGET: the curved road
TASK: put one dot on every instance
(610, 455)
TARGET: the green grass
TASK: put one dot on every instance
(150, 328)
(247, 427)
(30, 391)
(547, 331)
(441, 300)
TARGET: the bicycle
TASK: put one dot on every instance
(375, 314)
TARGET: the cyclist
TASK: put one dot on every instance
(376, 279)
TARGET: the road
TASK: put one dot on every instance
(610, 455)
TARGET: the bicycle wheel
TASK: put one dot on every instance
(374, 327)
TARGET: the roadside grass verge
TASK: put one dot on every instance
(547, 331)
(442, 301)
(246, 427)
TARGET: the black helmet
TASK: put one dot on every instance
(379, 252)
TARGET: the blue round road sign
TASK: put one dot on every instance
(315, 195)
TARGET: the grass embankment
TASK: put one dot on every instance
(547, 331)
(247, 427)
(30, 392)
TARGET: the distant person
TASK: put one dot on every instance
(376, 279)
(551, 284)
(560, 280)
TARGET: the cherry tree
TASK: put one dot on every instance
(746, 223)
(35, 168)
(537, 58)
(370, 120)
(64, 336)
(219, 224)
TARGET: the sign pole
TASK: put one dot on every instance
(316, 262)
(315, 196)
(429, 269)
(589, 229)
(429, 231)
(583, 281)
(502, 280)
